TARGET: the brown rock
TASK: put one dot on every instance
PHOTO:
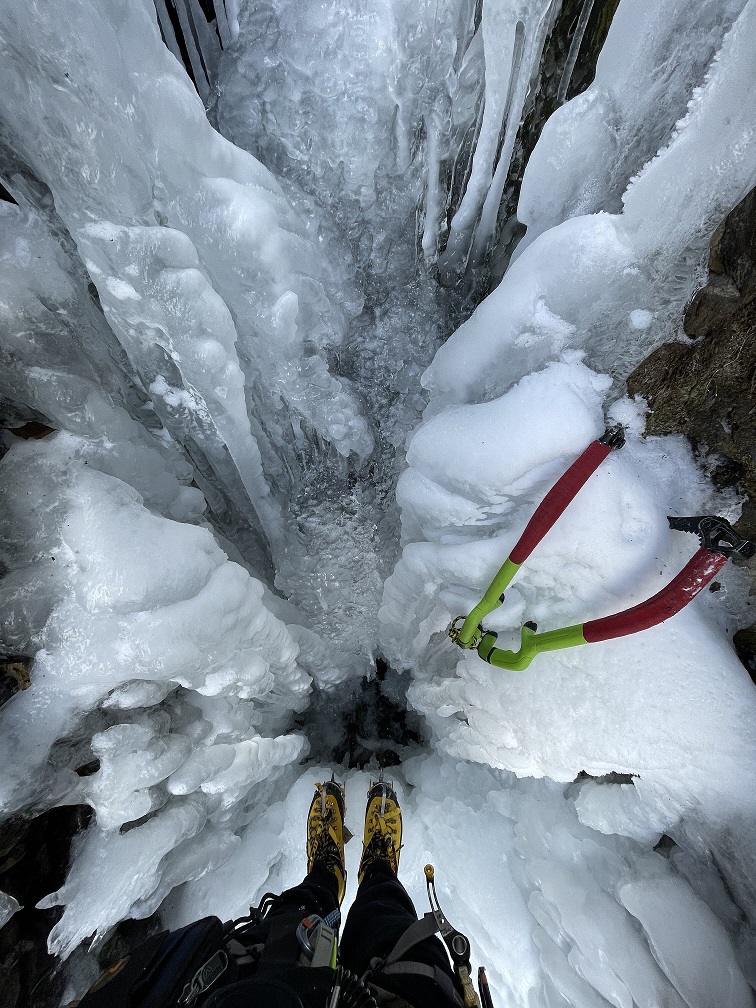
(707, 390)
(32, 430)
(715, 302)
(14, 676)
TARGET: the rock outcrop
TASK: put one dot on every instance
(706, 388)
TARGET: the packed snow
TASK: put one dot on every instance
(273, 459)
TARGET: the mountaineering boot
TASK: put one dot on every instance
(325, 831)
(383, 829)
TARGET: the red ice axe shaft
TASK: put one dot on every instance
(551, 507)
(564, 490)
(719, 542)
(694, 576)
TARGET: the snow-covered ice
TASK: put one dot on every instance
(553, 907)
(576, 284)
(227, 331)
(156, 654)
(592, 147)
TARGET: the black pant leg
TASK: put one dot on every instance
(278, 972)
(381, 913)
(316, 894)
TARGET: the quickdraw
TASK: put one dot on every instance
(719, 542)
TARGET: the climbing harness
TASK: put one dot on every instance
(719, 542)
(457, 944)
(208, 964)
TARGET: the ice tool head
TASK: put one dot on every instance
(716, 535)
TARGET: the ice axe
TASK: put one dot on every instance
(719, 542)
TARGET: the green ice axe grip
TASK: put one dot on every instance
(531, 644)
(694, 576)
(490, 601)
(547, 512)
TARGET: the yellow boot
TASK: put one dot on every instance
(325, 831)
(383, 829)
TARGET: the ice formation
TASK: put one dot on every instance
(578, 283)
(593, 147)
(203, 269)
(554, 908)
(142, 623)
(227, 331)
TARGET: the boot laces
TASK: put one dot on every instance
(382, 846)
(324, 846)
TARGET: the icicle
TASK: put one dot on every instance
(433, 190)
(207, 39)
(499, 40)
(198, 70)
(221, 21)
(524, 65)
(572, 55)
(518, 83)
(513, 47)
(232, 16)
(166, 28)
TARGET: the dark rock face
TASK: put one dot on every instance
(707, 389)
(14, 676)
(744, 642)
(34, 859)
(34, 862)
(371, 723)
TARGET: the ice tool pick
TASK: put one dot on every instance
(719, 541)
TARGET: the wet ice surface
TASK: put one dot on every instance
(229, 336)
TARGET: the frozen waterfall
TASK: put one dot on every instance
(296, 425)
